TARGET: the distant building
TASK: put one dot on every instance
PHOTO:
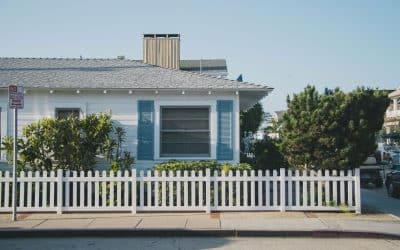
(276, 122)
(265, 123)
(392, 116)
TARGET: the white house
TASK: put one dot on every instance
(167, 113)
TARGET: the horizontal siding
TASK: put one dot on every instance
(39, 105)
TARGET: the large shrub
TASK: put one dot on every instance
(69, 143)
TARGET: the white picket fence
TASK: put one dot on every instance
(67, 191)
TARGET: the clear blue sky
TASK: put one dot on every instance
(283, 44)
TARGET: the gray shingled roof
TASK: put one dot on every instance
(108, 74)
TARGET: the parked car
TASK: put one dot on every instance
(371, 175)
(393, 182)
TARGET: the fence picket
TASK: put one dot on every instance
(312, 188)
(275, 188)
(297, 188)
(126, 188)
(193, 189)
(111, 198)
(119, 182)
(223, 189)
(327, 188)
(75, 190)
(267, 189)
(230, 187)
(37, 189)
(185, 189)
(349, 189)
(156, 190)
(334, 189)
(104, 189)
(178, 189)
(215, 188)
(52, 184)
(7, 189)
(89, 189)
(82, 190)
(67, 188)
(200, 189)
(44, 189)
(96, 189)
(245, 184)
(163, 190)
(342, 198)
(319, 190)
(305, 195)
(21, 189)
(290, 190)
(259, 189)
(238, 196)
(141, 189)
(149, 194)
(171, 188)
(252, 190)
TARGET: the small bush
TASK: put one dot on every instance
(200, 166)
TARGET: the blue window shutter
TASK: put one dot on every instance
(145, 133)
(225, 136)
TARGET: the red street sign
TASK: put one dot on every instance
(16, 97)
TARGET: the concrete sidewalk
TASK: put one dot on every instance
(218, 224)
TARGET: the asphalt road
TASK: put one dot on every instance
(197, 243)
(377, 200)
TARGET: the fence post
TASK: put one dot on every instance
(134, 193)
(59, 190)
(357, 190)
(282, 178)
(208, 191)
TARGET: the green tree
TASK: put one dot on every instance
(250, 119)
(333, 129)
(268, 155)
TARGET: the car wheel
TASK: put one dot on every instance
(390, 190)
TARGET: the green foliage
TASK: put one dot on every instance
(119, 160)
(199, 166)
(333, 129)
(268, 155)
(250, 120)
(70, 143)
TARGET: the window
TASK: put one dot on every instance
(65, 112)
(185, 132)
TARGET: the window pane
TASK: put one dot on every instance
(185, 137)
(185, 131)
(185, 149)
(64, 113)
(185, 124)
(185, 113)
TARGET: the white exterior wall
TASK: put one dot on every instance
(123, 107)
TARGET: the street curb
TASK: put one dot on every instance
(40, 233)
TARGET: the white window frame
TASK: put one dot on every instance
(209, 130)
(157, 127)
(68, 108)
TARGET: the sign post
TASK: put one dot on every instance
(15, 101)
